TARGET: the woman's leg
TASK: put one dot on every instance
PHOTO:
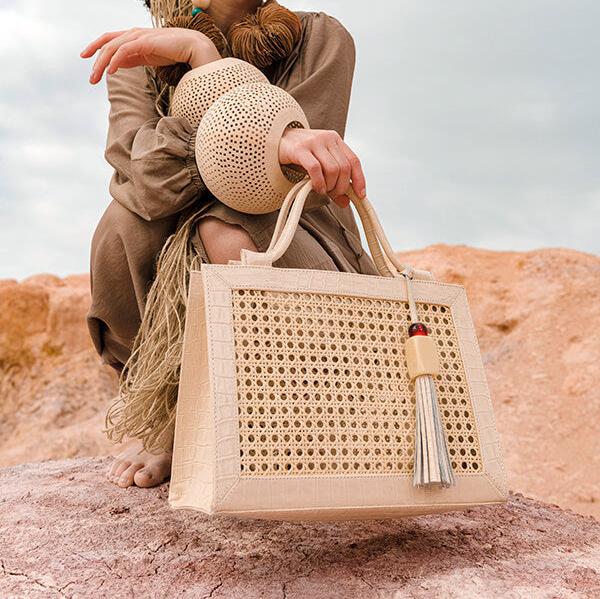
(123, 259)
(223, 241)
(124, 252)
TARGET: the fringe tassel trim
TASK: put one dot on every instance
(146, 405)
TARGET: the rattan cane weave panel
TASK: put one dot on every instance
(323, 389)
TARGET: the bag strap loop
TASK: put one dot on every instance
(381, 251)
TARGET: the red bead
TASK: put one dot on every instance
(416, 329)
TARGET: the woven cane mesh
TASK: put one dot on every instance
(200, 88)
(323, 389)
(237, 147)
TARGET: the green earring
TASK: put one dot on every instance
(200, 6)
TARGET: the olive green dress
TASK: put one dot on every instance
(155, 178)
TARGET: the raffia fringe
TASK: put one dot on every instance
(145, 406)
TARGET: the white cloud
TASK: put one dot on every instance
(476, 123)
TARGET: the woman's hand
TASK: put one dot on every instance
(329, 162)
(151, 47)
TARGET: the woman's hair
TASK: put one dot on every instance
(163, 10)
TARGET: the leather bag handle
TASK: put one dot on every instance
(384, 266)
(381, 251)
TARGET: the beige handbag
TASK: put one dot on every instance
(303, 397)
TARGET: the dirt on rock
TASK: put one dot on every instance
(535, 314)
(67, 532)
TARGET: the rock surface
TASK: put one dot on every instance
(53, 389)
(535, 314)
(68, 532)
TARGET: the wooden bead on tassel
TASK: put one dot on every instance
(421, 352)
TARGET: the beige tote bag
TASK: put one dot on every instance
(303, 397)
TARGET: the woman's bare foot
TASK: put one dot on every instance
(134, 466)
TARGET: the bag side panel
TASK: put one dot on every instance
(222, 366)
(480, 395)
(192, 478)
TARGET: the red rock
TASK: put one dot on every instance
(54, 389)
(67, 532)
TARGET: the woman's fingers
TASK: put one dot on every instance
(344, 172)
(308, 161)
(125, 58)
(108, 50)
(330, 163)
(359, 182)
(132, 53)
(336, 171)
(329, 166)
(93, 47)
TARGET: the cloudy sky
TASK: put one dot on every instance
(477, 123)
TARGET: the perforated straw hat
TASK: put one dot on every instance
(242, 118)
(200, 88)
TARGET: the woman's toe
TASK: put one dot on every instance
(117, 468)
(126, 478)
(145, 478)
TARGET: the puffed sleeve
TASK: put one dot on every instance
(155, 173)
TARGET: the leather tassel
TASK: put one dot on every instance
(432, 460)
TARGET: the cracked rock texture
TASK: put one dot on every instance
(536, 315)
(67, 532)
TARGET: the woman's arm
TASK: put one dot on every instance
(155, 172)
(319, 78)
(147, 156)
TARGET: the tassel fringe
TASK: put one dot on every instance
(432, 461)
(146, 405)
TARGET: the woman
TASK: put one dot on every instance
(156, 184)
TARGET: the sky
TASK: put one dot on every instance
(476, 122)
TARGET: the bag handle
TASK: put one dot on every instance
(284, 211)
(384, 266)
(285, 228)
(381, 251)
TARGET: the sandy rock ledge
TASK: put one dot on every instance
(67, 532)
